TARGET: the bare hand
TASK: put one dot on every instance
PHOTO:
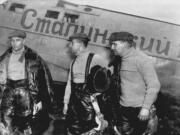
(4, 130)
(2, 125)
(144, 114)
(65, 109)
(37, 108)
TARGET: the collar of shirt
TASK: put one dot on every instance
(18, 52)
(83, 52)
(130, 52)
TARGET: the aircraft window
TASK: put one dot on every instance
(87, 9)
(16, 7)
(52, 14)
(70, 18)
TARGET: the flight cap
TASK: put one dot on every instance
(80, 36)
(121, 36)
(17, 33)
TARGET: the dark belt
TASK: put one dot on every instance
(16, 83)
(79, 88)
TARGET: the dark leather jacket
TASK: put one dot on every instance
(39, 80)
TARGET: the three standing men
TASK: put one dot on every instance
(27, 76)
(139, 84)
(28, 88)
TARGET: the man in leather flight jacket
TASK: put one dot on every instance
(27, 86)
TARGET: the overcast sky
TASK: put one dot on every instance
(165, 10)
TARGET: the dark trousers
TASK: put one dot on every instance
(81, 115)
(129, 122)
(16, 109)
(40, 123)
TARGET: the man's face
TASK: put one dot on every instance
(118, 47)
(17, 43)
(75, 46)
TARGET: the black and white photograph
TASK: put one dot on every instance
(89, 67)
